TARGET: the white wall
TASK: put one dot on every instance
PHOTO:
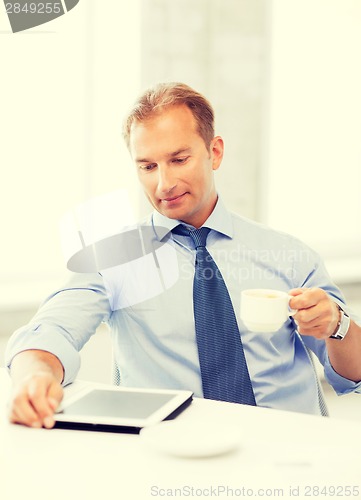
(65, 87)
(284, 77)
(312, 149)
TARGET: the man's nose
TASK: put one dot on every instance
(166, 181)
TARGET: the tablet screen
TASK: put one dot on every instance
(118, 409)
(117, 404)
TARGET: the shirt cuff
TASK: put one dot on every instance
(45, 338)
(340, 384)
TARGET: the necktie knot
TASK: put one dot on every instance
(199, 236)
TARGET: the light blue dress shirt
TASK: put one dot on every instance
(149, 309)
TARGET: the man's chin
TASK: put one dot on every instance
(171, 213)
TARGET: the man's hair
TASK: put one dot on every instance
(164, 95)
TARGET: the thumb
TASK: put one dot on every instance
(297, 291)
(55, 395)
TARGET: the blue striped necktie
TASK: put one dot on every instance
(223, 365)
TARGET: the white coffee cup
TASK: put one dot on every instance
(265, 310)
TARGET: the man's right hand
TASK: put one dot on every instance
(37, 389)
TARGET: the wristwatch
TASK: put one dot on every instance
(342, 326)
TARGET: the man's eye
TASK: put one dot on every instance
(180, 160)
(148, 167)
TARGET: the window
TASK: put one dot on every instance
(312, 159)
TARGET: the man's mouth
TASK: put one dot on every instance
(172, 199)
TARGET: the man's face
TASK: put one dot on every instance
(174, 166)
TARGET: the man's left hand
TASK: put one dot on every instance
(317, 314)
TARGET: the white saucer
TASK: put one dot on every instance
(186, 439)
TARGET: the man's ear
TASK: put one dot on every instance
(216, 150)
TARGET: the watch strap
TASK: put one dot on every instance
(343, 326)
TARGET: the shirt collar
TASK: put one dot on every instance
(220, 220)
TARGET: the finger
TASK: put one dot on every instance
(38, 397)
(21, 418)
(317, 331)
(309, 315)
(22, 412)
(311, 322)
(24, 417)
(309, 325)
(54, 396)
(311, 297)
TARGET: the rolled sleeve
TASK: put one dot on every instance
(45, 339)
(340, 384)
(65, 322)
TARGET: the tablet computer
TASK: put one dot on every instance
(120, 409)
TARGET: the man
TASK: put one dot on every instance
(171, 139)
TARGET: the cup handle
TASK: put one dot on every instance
(291, 312)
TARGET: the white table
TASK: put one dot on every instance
(282, 454)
